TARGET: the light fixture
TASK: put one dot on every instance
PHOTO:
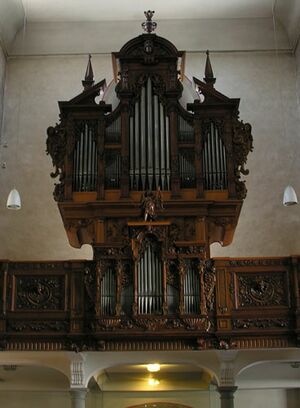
(153, 368)
(14, 200)
(153, 381)
(289, 196)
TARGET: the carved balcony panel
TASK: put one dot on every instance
(112, 303)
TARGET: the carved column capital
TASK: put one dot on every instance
(77, 374)
(227, 368)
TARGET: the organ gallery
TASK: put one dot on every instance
(150, 170)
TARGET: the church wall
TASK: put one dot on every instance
(297, 56)
(268, 98)
(2, 82)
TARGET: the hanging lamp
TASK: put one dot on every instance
(14, 200)
(289, 196)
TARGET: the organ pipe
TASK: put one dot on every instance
(85, 157)
(149, 282)
(214, 160)
(149, 142)
(191, 290)
(108, 292)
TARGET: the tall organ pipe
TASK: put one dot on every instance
(85, 158)
(149, 142)
(214, 160)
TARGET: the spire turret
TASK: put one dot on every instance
(89, 75)
(209, 75)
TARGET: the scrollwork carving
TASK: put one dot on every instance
(242, 145)
(38, 326)
(260, 323)
(209, 280)
(56, 148)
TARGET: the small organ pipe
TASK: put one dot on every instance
(167, 153)
(156, 141)
(131, 143)
(137, 144)
(149, 134)
(143, 137)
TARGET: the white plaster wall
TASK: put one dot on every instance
(297, 57)
(34, 399)
(275, 398)
(2, 82)
(268, 102)
(48, 38)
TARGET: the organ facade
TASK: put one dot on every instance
(150, 171)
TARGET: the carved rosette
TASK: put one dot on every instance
(262, 290)
(40, 293)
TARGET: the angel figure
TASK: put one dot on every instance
(150, 203)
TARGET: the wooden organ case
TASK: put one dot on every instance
(150, 184)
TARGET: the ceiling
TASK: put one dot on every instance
(69, 24)
(95, 10)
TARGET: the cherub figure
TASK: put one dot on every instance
(150, 203)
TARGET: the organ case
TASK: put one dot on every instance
(150, 181)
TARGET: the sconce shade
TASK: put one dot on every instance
(14, 200)
(289, 196)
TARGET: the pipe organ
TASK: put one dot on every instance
(150, 184)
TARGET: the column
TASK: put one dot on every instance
(226, 396)
(78, 398)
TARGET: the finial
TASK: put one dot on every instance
(209, 75)
(149, 25)
(89, 75)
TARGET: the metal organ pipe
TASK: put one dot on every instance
(149, 282)
(214, 160)
(149, 142)
(85, 158)
(108, 292)
(191, 290)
